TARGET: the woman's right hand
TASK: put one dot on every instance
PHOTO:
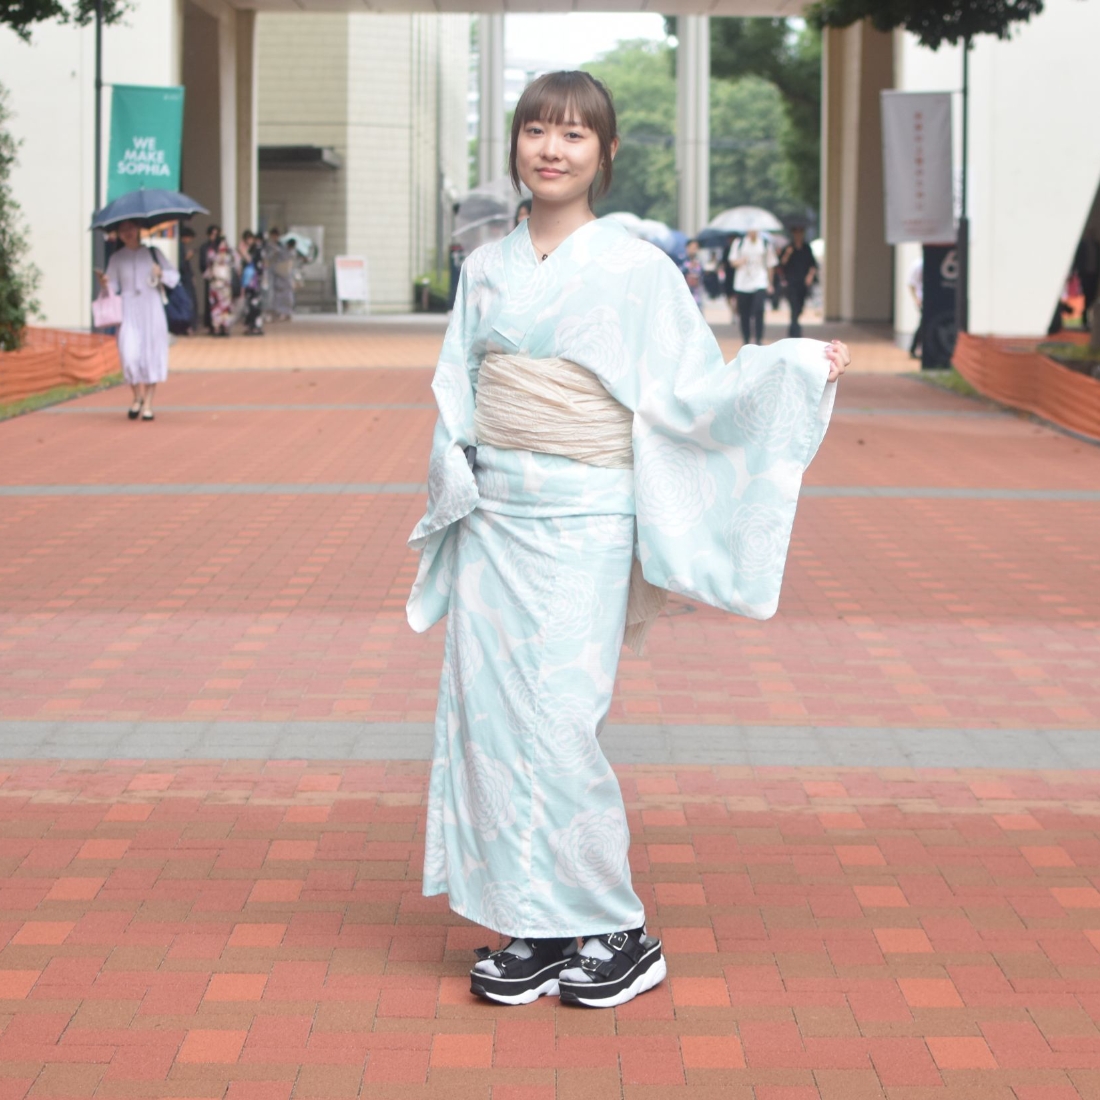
(102, 277)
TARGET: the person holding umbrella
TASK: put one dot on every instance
(137, 275)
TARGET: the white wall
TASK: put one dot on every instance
(51, 96)
(1034, 161)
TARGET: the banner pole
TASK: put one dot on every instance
(98, 248)
(963, 305)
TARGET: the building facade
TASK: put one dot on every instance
(385, 92)
(362, 132)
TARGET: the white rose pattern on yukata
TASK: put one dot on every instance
(529, 556)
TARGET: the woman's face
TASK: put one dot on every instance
(558, 161)
(129, 234)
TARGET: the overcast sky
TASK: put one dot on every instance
(566, 41)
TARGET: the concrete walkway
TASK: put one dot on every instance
(866, 829)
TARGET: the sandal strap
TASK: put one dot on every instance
(506, 961)
(626, 949)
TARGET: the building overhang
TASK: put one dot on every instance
(313, 158)
(530, 7)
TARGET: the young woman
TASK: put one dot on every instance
(137, 274)
(592, 450)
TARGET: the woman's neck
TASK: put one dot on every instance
(550, 224)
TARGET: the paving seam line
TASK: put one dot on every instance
(818, 492)
(763, 746)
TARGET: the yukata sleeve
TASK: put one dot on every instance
(719, 449)
(452, 490)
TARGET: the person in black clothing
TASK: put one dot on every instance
(252, 282)
(187, 279)
(799, 269)
(1087, 265)
(206, 258)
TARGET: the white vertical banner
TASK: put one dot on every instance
(916, 156)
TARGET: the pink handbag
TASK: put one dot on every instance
(107, 310)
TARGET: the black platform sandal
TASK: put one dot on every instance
(636, 965)
(522, 981)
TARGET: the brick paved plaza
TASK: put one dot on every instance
(867, 830)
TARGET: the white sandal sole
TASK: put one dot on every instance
(641, 984)
(549, 988)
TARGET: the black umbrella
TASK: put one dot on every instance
(147, 208)
(714, 238)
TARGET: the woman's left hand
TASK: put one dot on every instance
(156, 273)
(839, 357)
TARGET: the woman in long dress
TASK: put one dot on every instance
(592, 451)
(138, 274)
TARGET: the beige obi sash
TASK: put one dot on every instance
(553, 406)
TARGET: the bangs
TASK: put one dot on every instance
(561, 98)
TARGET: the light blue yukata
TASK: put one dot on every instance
(529, 556)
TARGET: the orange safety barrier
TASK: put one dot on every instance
(1012, 372)
(53, 357)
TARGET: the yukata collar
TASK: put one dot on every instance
(519, 249)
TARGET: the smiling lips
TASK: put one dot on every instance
(550, 172)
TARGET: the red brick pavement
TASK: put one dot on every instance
(255, 930)
(895, 611)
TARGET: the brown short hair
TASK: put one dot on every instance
(568, 96)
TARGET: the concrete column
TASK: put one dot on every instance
(492, 150)
(246, 155)
(201, 174)
(227, 119)
(858, 275)
(693, 122)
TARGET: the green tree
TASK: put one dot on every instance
(22, 15)
(932, 21)
(788, 57)
(17, 279)
(638, 76)
(745, 118)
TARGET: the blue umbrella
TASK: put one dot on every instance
(147, 208)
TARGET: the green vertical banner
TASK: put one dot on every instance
(146, 137)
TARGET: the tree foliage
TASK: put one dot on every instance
(22, 15)
(746, 119)
(932, 21)
(17, 279)
(789, 57)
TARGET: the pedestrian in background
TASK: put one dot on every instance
(692, 268)
(252, 273)
(185, 325)
(241, 257)
(138, 275)
(219, 275)
(280, 266)
(799, 269)
(915, 282)
(206, 258)
(1086, 264)
(754, 262)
